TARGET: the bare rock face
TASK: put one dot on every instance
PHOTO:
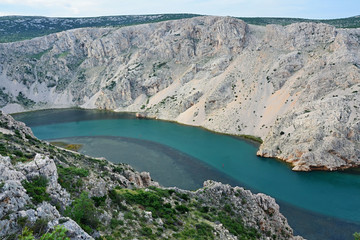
(10, 125)
(296, 87)
(141, 180)
(15, 201)
(258, 211)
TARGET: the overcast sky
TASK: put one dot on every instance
(318, 9)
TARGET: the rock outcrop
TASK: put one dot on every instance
(296, 86)
(257, 210)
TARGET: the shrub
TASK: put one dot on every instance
(201, 231)
(83, 212)
(149, 200)
(69, 177)
(37, 189)
(99, 201)
(182, 209)
(59, 233)
(357, 236)
(146, 231)
(3, 150)
(236, 226)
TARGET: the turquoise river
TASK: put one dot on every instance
(318, 205)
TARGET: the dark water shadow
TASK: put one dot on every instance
(171, 167)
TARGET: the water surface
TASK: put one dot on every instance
(325, 203)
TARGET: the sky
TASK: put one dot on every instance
(315, 9)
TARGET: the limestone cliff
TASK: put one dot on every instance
(296, 86)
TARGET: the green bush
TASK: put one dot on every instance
(182, 209)
(83, 211)
(236, 226)
(59, 233)
(37, 189)
(99, 201)
(146, 231)
(39, 226)
(149, 200)
(3, 150)
(357, 236)
(70, 178)
(201, 231)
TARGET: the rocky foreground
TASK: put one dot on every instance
(295, 87)
(43, 187)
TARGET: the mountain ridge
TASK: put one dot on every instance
(12, 27)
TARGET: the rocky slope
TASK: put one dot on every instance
(296, 87)
(42, 187)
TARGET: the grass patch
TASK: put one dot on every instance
(63, 55)
(72, 146)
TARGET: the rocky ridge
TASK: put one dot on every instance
(295, 87)
(115, 200)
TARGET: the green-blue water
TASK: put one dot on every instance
(333, 194)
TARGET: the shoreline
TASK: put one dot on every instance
(256, 141)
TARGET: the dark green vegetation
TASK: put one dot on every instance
(252, 138)
(351, 22)
(24, 100)
(84, 212)
(36, 188)
(71, 178)
(17, 28)
(59, 233)
(187, 217)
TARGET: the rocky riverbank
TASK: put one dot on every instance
(43, 187)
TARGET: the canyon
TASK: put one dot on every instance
(296, 87)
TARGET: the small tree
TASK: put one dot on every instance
(83, 212)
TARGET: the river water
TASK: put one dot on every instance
(318, 205)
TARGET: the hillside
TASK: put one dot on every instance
(43, 187)
(350, 22)
(295, 87)
(17, 28)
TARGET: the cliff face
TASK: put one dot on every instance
(43, 187)
(296, 87)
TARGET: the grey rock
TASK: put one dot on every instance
(8, 172)
(140, 180)
(74, 231)
(258, 211)
(44, 166)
